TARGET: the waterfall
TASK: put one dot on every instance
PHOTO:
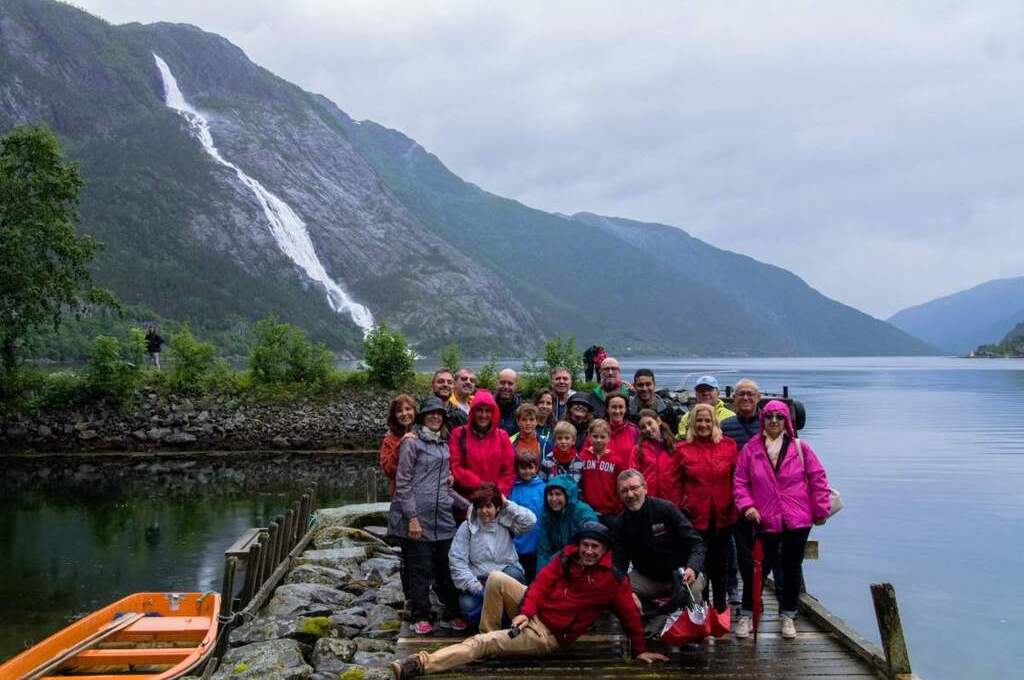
(286, 226)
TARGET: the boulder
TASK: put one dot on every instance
(350, 621)
(335, 558)
(383, 617)
(359, 515)
(372, 659)
(314, 573)
(180, 438)
(336, 536)
(368, 645)
(307, 629)
(380, 568)
(306, 598)
(332, 655)
(271, 660)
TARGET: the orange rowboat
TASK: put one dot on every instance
(145, 636)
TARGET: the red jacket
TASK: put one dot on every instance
(568, 597)
(598, 481)
(707, 470)
(661, 470)
(486, 458)
(389, 459)
(623, 441)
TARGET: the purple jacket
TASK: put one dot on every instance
(789, 499)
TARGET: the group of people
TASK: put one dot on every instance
(529, 518)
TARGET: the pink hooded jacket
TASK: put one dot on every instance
(487, 458)
(789, 499)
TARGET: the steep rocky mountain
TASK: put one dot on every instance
(224, 193)
(960, 322)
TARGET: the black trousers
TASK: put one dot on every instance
(529, 562)
(784, 553)
(425, 564)
(716, 565)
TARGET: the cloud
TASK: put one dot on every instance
(870, 147)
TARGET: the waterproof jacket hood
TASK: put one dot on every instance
(558, 528)
(482, 457)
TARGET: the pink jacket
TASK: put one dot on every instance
(789, 499)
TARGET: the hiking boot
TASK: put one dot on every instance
(788, 627)
(742, 627)
(422, 628)
(458, 624)
(409, 667)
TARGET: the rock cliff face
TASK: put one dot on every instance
(423, 250)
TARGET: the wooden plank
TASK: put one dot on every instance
(108, 631)
(240, 548)
(132, 657)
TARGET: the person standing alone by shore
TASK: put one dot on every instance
(153, 344)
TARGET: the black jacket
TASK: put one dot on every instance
(741, 430)
(668, 415)
(657, 539)
(508, 414)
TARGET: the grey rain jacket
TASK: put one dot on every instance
(422, 489)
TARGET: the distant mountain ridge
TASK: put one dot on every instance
(960, 322)
(425, 251)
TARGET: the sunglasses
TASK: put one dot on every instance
(774, 416)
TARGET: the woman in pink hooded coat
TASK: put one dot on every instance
(780, 486)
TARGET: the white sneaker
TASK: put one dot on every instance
(742, 627)
(788, 628)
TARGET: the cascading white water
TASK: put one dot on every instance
(287, 227)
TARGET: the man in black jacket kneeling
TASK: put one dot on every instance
(655, 536)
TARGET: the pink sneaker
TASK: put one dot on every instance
(458, 624)
(422, 628)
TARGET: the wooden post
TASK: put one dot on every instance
(371, 485)
(890, 627)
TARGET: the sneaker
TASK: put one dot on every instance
(458, 624)
(409, 667)
(742, 627)
(422, 628)
(788, 628)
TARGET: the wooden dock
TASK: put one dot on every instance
(819, 651)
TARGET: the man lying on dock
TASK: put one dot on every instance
(564, 601)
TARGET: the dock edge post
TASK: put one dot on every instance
(890, 628)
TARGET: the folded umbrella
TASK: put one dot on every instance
(758, 585)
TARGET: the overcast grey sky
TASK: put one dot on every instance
(873, 148)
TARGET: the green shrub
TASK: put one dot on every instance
(62, 388)
(451, 357)
(282, 355)
(559, 352)
(192, 361)
(388, 357)
(115, 369)
(532, 377)
(487, 376)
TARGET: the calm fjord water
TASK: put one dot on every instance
(928, 453)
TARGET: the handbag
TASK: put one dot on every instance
(835, 498)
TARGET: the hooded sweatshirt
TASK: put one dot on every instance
(789, 496)
(478, 549)
(482, 457)
(599, 480)
(558, 528)
(529, 495)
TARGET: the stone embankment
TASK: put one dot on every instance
(336, 615)
(175, 423)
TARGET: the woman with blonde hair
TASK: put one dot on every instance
(707, 460)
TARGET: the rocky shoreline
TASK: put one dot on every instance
(155, 422)
(337, 613)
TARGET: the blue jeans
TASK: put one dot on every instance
(471, 604)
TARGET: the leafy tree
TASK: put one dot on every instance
(451, 357)
(387, 354)
(191, 359)
(281, 355)
(115, 369)
(563, 353)
(43, 260)
(487, 376)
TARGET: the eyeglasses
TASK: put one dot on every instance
(774, 416)
(745, 394)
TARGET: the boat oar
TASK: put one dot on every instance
(103, 633)
(758, 581)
